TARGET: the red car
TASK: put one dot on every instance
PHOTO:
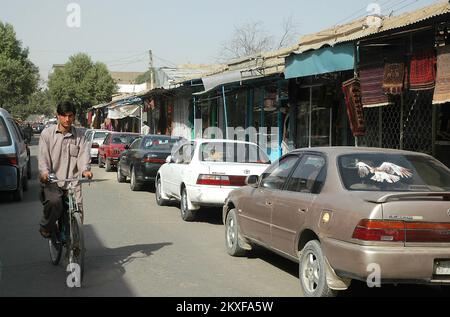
(114, 144)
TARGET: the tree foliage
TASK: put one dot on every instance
(82, 82)
(18, 75)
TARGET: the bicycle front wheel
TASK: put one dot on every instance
(55, 248)
(76, 252)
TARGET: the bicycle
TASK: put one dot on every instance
(69, 233)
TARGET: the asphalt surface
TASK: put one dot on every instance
(136, 248)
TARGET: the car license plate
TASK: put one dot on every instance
(442, 267)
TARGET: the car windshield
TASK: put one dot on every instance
(159, 144)
(100, 135)
(232, 152)
(123, 139)
(393, 172)
(5, 139)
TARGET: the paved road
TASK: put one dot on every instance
(136, 248)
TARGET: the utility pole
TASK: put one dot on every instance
(151, 69)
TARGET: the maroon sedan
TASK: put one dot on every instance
(114, 144)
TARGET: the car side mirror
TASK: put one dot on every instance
(252, 180)
(169, 159)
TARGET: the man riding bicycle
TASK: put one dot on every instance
(63, 151)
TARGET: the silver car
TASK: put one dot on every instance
(15, 167)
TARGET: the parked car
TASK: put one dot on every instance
(15, 166)
(113, 145)
(143, 158)
(204, 172)
(38, 127)
(343, 212)
(95, 139)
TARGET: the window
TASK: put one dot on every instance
(159, 144)
(232, 152)
(100, 135)
(5, 138)
(305, 177)
(135, 145)
(107, 139)
(16, 131)
(393, 172)
(184, 154)
(278, 173)
(123, 138)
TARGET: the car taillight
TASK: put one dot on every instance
(427, 232)
(379, 230)
(95, 145)
(221, 180)
(12, 160)
(153, 160)
(401, 231)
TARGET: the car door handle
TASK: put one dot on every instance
(303, 210)
(269, 203)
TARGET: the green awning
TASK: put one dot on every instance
(321, 61)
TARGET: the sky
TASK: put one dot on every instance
(121, 33)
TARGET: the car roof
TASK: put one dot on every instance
(342, 150)
(5, 113)
(220, 141)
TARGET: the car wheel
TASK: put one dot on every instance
(120, 177)
(100, 163)
(29, 168)
(18, 194)
(312, 275)
(232, 235)
(186, 214)
(158, 194)
(108, 167)
(134, 185)
(25, 183)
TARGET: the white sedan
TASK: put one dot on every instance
(204, 172)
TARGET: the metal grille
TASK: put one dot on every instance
(396, 127)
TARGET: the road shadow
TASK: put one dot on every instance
(105, 267)
(210, 215)
(104, 270)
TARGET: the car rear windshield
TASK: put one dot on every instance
(123, 139)
(100, 135)
(232, 152)
(159, 144)
(5, 139)
(393, 172)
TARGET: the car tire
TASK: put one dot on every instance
(158, 194)
(18, 193)
(108, 166)
(312, 274)
(134, 185)
(29, 168)
(186, 214)
(25, 183)
(232, 235)
(120, 177)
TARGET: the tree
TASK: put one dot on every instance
(82, 82)
(18, 75)
(40, 103)
(252, 39)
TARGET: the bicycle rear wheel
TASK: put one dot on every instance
(55, 248)
(76, 252)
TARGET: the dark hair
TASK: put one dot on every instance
(145, 122)
(65, 107)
